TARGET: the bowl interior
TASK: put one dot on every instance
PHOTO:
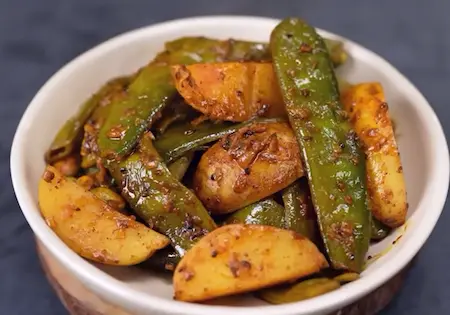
(62, 95)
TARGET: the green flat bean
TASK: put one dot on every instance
(300, 291)
(69, 137)
(378, 230)
(264, 212)
(299, 211)
(179, 167)
(334, 163)
(160, 199)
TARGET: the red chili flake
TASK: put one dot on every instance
(348, 199)
(305, 48)
(48, 176)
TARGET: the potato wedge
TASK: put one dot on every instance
(90, 227)
(248, 165)
(234, 91)
(239, 258)
(368, 111)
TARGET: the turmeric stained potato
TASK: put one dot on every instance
(90, 227)
(234, 91)
(368, 111)
(255, 162)
(239, 258)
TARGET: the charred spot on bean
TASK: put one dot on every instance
(305, 92)
(239, 93)
(348, 199)
(340, 184)
(214, 253)
(342, 114)
(288, 35)
(247, 171)
(130, 112)
(305, 48)
(213, 177)
(354, 159)
(301, 113)
(291, 73)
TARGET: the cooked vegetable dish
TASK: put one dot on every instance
(236, 166)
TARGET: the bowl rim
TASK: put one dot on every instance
(115, 290)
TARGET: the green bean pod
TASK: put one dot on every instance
(338, 55)
(226, 50)
(347, 277)
(89, 147)
(165, 260)
(378, 230)
(69, 137)
(333, 160)
(185, 137)
(176, 112)
(160, 199)
(179, 167)
(302, 290)
(299, 211)
(264, 212)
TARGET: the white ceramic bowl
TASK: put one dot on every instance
(422, 144)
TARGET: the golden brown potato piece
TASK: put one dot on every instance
(239, 258)
(368, 111)
(90, 227)
(234, 91)
(253, 163)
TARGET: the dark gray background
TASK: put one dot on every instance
(37, 37)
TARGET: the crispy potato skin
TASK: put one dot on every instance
(234, 91)
(90, 227)
(244, 167)
(368, 111)
(239, 258)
